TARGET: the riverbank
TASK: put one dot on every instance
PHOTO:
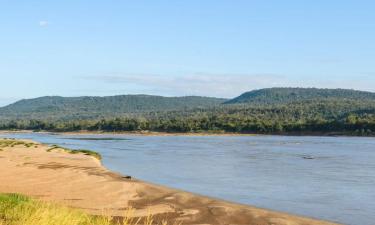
(80, 181)
(154, 133)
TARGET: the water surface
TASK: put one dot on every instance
(330, 178)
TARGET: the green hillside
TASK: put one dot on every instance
(266, 111)
(67, 108)
(289, 95)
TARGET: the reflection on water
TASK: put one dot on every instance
(329, 178)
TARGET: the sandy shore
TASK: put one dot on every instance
(135, 133)
(80, 181)
(154, 133)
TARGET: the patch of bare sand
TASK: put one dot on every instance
(80, 181)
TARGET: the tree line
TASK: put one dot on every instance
(349, 117)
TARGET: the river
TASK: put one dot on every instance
(330, 178)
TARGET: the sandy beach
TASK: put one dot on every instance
(80, 181)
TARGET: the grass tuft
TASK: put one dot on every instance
(76, 151)
(86, 152)
(4, 143)
(17, 209)
(53, 147)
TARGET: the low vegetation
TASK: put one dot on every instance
(17, 209)
(76, 151)
(4, 143)
(7, 142)
(86, 152)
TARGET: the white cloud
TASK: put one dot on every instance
(44, 23)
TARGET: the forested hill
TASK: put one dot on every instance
(275, 110)
(76, 108)
(92, 107)
(292, 95)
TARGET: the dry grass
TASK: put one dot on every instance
(17, 209)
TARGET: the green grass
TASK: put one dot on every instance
(20, 210)
(53, 147)
(4, 143)
(17, 209)
(86, 152)
(76, 151)
(28, 145)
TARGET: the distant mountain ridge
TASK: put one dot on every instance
(289, 95)
(84, 108)
(90, 107)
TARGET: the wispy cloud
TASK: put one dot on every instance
(44, 23)
(221, 85)
(218, 85)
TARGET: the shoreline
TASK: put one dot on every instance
(154, 133)
(80, 181)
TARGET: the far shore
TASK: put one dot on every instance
(80, 181)
(157, 133)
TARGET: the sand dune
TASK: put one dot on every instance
(80, 181)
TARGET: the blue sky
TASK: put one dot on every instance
(173, 48)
